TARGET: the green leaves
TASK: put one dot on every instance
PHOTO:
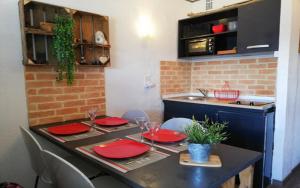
(206, 132)
(63, 47)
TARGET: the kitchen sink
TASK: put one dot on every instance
(194, 98)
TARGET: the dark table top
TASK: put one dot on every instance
(167, 172)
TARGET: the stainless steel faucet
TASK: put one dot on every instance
(204, 92)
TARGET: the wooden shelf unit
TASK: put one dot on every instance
(209, 35)
(76, 45)
(201, 27)
(29, 30)
(37, 43)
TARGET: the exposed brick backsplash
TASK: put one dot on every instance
(175, 77)
(255, 77)
(51, 101)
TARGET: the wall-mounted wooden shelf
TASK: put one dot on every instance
(76, 65)
(37, 43)
(209, 35)
(76, 45)
(29, 30)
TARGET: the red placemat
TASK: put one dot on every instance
(111, 121)
(165, 135)
(69, 129)
(121, 149)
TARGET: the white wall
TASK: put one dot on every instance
(286, 146)
(14, 164)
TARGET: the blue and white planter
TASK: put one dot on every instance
(199, 152)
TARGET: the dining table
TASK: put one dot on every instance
(165, 172)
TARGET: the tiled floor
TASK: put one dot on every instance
(292, 182)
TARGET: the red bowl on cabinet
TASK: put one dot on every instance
(219, 28)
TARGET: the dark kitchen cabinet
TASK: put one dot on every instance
(251, 129)
(254, 132)
(257, 30)
(245, 127)
(187, 110)
(200, 28)
(258, 27)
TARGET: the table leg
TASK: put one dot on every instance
(230, 183)
(246, 177)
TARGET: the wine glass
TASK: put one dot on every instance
(152, 127)
(141, 122)
(92, 113)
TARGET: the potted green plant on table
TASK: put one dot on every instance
(201, 136)
(63, 47)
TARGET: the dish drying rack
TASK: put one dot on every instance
(226, 93)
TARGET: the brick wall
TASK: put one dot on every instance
(175, 77)
(256, 77)
(51, 101)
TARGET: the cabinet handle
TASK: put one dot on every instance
(258, 46)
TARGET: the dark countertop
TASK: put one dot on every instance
(167, 172)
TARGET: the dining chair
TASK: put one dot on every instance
(34, 151)
(130, 115)
(35, 148)
(65, 175)
(176, 124)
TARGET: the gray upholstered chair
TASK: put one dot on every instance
(130, 115)
(64, 175)
(34, 151)
(176, 124)
(34, 148)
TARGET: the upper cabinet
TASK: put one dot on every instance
(249, 28)
(258, 27)
(208, 35)
(90, 34)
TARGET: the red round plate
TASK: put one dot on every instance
(69, 129)
(111, 121)
(121, 149)
(165, 135)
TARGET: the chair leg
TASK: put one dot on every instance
(36, 181)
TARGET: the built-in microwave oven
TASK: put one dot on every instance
(200, 46)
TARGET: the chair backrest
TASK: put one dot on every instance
(34, 150)
(63, 174)
(176, 124)
(132, 114)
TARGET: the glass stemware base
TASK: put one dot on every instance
(141, 122)
(92, 113)
(153, 127)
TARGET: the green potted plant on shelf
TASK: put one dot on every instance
(201, 136)
(63, 47)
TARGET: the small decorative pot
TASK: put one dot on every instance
(199, 152)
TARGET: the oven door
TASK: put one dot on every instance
(198, 46)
